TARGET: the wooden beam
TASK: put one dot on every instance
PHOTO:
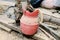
(48, 12)
(49, 16)
(8, 23)
(51, 31)
(7, 3)
(5, 28)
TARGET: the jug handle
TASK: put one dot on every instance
(41, 16)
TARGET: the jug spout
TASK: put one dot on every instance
(31, 14)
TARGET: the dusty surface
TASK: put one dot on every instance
(4, 35)
(8, 36)
(11, 36)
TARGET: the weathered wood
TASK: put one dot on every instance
(48, 12)
(41, 35)
(7, 3)
(1, 10)
(52, 25)
(51, 37)
(5, 28)
(49, 16)
(8, 23)
(51, 31)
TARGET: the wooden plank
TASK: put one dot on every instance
(7, 3)
(50, 36)
(48, 12)
(52, 25)
(5, 28)
(49, 16)
(42, 35)
(7, 22)
(51, 31)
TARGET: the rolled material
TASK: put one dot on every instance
(48, 3)
(50, 17)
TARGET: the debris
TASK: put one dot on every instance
(51, 31)
(50, 17)
(5, 28)
(1, 10)
(52, 25)
(8, 23)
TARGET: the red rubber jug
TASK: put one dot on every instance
(29, 22)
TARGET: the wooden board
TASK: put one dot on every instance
(49, 16)
(8, 23)
(48, 12)
(5, 28)
(7, 3)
